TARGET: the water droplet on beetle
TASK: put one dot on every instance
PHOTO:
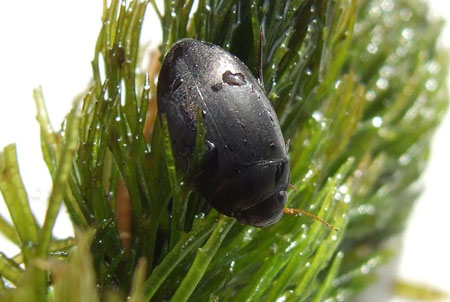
(217, 87)
(210, 145)
(177, 83)
(233, 79)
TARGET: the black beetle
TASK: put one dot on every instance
(245, 173)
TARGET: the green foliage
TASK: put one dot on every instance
(358, 87)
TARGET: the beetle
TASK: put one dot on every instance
(245, 171)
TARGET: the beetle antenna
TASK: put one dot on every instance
(260, 58)
(297, 212)
(292, 187)
(288, 142)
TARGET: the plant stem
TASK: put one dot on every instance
(9, 269)
(202, 260)
(327, 283)
(184, 246)
(60, 181)
(8, 231)
(16, 200)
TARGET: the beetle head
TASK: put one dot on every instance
(266, 212)
(256, 195)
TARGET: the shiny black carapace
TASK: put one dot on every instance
(245, 172)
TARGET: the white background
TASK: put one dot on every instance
(51, 43)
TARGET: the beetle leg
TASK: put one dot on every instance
(292, 187)
(288, 142)
(297, 212)
(260, 58)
